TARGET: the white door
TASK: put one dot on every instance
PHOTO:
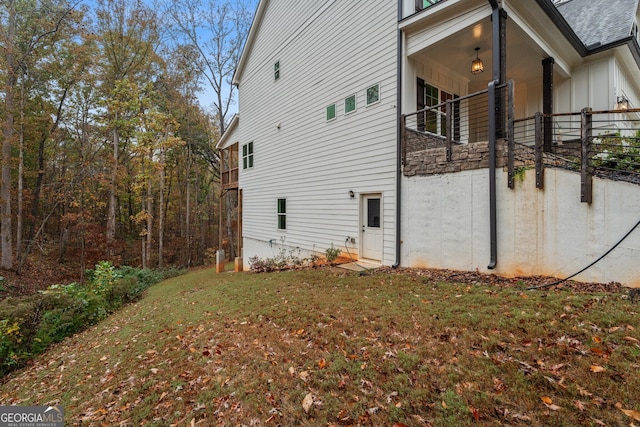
(371, 237)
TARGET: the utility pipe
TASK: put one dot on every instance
(396, 264)
(497, 79)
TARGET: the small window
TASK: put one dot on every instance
(247, 155)
(276, 70)
(373, 94)
(282, 214)
(350, 104)
(331, 112)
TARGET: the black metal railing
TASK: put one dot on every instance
(459, 120)
(601, 143)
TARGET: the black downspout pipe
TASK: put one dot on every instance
(497, 79)
(396, 264)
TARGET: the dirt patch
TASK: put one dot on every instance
(36, 275)
(523, 282)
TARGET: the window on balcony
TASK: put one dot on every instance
(423, 4)
(435, 120)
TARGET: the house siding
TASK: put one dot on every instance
(327, 52)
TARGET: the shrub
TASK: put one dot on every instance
(281, 261)
(332, 253)
(30, 324)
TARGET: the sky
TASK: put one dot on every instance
(206, 96)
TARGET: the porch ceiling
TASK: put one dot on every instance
(455, 52)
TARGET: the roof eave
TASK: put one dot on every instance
(262, 5)
(232, 126)
(630, 41)
(556, 17)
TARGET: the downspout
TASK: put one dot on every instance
(496, 52)
(396, 264)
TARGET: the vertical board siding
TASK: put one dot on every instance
(327, 51)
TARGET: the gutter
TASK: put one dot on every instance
(396, 264)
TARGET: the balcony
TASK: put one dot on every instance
(229, 168)
(453, 136)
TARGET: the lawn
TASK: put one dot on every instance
(331, 347)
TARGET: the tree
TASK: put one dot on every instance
(26, 26)
(128, 38)
(216, 32)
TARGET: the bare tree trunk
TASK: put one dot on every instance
(20, 178)
(149, 234)
(111, 213)
(5, 189)
(188, 207)
(83, 251)
(161, 209)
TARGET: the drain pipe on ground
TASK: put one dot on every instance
(497, 78)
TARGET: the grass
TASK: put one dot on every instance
(384, 349)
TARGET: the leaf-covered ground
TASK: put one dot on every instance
(329, 347)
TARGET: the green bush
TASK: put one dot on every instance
(30, 324)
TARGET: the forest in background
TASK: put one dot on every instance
(107, 153)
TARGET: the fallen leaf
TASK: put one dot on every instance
(631, 339)
(399, 425)
(322, 363)
(549, 403)
(444, 404)
(596, 339)
(583, 391)
(579, 405)
(154, 370)
(475, 413)
(597, 368)
(631, 414)
(307, 402)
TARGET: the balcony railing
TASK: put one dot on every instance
(595, 143)
(457, 121)
(229, 167)
(453, 136)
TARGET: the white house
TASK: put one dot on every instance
(403, 132)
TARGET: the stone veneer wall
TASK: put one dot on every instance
(427, 155)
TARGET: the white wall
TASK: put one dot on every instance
(327, 50)
(445, 224)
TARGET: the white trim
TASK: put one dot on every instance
(355, 104)
(233, 125)
(366, 98)
(326, 112)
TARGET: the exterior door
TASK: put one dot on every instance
(372, 226)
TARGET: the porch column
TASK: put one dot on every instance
(547, 101)
(499, 59)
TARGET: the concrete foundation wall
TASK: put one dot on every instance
(445, 224)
